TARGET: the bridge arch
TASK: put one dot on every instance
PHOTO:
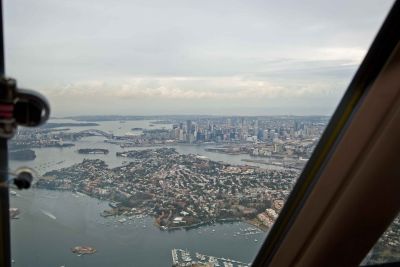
(96, 132)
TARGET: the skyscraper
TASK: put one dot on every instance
(189, 131)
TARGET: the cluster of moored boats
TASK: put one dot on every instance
(182, 258)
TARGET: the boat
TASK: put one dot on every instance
(114, 204)
(122, 220)
(14, 212)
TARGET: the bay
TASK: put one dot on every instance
(52, 222)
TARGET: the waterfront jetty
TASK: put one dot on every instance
(93, 151)
(182, 258)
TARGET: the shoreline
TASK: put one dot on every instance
(256, 223)
(252, 222)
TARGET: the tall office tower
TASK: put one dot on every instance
(181, 135)
(265, 135)
(296, 125)
(188, 131)
(229, 122)
(256, 127)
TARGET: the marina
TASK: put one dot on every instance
(182, 258)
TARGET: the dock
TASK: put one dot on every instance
(181, 258)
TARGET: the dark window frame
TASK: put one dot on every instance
(378, 55)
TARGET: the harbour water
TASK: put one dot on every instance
(53, 222)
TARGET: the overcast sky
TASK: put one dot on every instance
(189, 57)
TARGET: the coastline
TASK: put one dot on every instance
(254, 222)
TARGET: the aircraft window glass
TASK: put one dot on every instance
(178, 128)
(387, 249)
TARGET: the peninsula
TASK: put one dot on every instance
(178, 190)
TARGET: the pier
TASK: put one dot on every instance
(182, 258)
(92, 151)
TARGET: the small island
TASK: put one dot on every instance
(137, 129)
(83, 250)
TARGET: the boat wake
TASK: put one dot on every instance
(48, 214)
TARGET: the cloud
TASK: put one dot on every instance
(188, 56)
(205, 88)
(350, 55)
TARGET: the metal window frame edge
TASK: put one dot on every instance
(377, 56)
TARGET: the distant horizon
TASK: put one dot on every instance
(185, 115)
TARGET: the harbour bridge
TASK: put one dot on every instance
(95, 132)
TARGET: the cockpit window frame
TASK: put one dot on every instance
(379, 53)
